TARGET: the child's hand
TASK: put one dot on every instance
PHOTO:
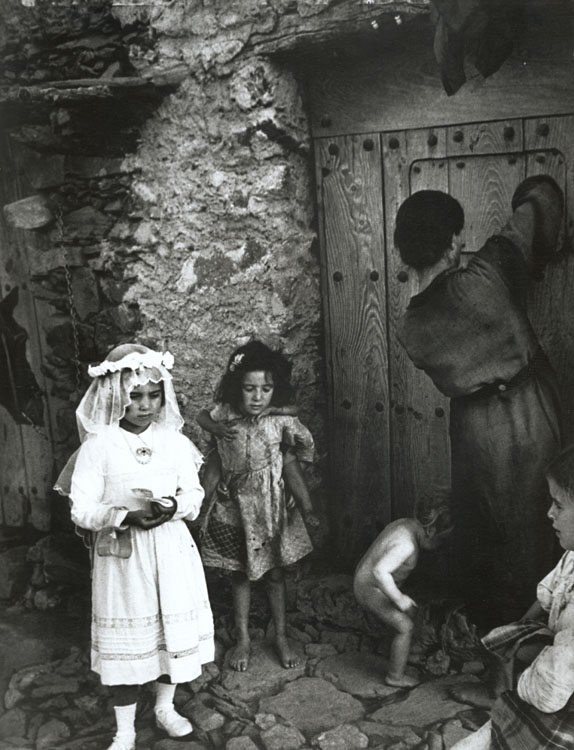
(406, 604)
(143, 520)
(226, 430)
(264, 413)
(312, 521)
(316, 527)
(163, 506)
(288, 410)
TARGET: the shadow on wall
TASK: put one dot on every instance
(19, 391)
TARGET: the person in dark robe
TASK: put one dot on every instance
(468, 329)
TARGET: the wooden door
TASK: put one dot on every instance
(396, 412)
(26, 450)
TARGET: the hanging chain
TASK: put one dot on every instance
(71, 302)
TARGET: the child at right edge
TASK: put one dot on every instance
(532, 674)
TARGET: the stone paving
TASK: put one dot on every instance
(336, 699)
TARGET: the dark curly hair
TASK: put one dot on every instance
(424, 227)
(256, 356)
(434, 513)
(561, 469)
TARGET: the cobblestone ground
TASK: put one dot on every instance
(336, 699)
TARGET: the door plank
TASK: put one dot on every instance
(479, 138)
(550, 145)
(419, 414)
(354, 275)
(484, 186)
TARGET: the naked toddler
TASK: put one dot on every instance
(385, 566)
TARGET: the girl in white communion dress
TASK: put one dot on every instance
(131, 483)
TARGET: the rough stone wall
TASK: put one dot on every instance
(225, 250)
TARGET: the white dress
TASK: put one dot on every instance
(150, 611)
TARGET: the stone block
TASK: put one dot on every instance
(170, 744)
(86, 223)
(13, 723)
(43, 170)
(330, 599)
(28, 213)
(265, 721)
(93, 166)
(452, 732)
(320, 649)
(426, 704)
(343, 641)
(85, 292)
(240, 743)
(388, 735)
(360, 674)
(472, 667)
(205, 718)
(44, 261)
(52, 734)
(265, 674)
(313, 705)
(57, 686)
(14, 572)
(343, 737)
(280, 737)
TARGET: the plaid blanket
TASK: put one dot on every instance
(516, 725)
(506, 639)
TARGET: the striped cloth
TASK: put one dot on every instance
(505, 640)
(516, 725)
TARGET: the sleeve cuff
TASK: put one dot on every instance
(117, 519)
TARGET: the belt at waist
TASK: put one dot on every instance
(538, 361)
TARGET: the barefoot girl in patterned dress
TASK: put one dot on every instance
(131, 483)
(250, 528)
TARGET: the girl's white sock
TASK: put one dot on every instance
(125, 720)
(164, 695)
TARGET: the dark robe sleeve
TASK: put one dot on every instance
(530, 238)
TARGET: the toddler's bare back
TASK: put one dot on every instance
(397, 547)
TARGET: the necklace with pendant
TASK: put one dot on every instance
(143, 452)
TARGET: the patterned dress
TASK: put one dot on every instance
(150, 611)
(250, 526)
(469, 331)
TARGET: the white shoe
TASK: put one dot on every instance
(123, 743)
(171, 722)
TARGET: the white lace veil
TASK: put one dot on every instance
(108, 396)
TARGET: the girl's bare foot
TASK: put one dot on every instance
(287, 656)
(404, 681)
(239, 657)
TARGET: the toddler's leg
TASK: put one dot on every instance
(241, 588)
(373, 598)
(275, 581)
(166, 716)
(400, 648)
